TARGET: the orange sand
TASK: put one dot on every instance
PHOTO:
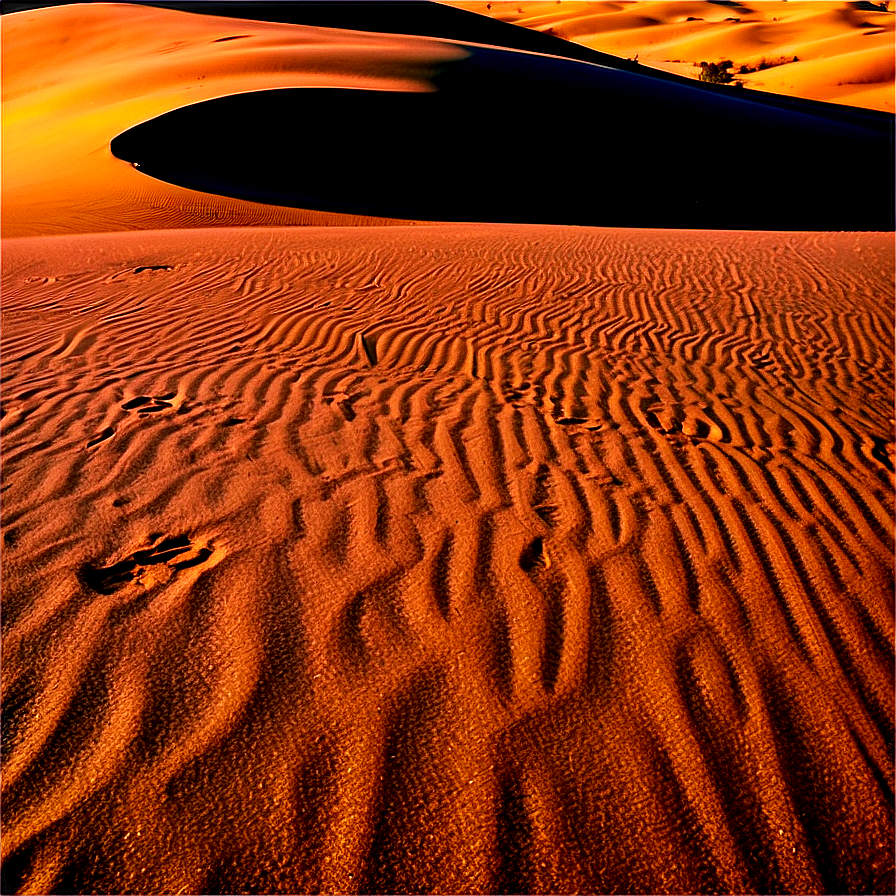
(499, 559)
(845, 51)
(64, 100)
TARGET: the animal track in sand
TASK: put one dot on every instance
(524, 393)
(344, 402)
(674, 422)
(45, 280)
(161, 561)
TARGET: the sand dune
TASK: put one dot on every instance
(448, 559)
(445, 557)
(396, 127)
(417, 161)
(844, 51)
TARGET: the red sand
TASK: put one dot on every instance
(570, 571)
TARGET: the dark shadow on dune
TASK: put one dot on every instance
(511, 137)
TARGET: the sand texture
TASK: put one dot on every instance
(844, 50)
(456, 558)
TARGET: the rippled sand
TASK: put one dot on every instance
(448, 559)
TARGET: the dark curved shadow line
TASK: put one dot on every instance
(509, 137)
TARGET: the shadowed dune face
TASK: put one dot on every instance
(396, 126)
(449, 154)
(448, 559)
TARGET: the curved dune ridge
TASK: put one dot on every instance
(247, 122)
(829, 50)
(76, 76)
(408, 155)
(448, 559)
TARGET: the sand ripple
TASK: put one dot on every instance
(453, 559)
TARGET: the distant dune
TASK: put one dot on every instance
(349, 550)
(838, 51)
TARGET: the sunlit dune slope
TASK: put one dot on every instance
(75, 76)
(454, 559)
(844, 51)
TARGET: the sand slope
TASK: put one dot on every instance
(845, 51)
(436, 155)
(448, 559)
(76, 76)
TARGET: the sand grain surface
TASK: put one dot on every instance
(448, 559)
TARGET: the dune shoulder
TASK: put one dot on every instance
(836, 52)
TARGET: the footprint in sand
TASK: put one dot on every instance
(147, 404)
(523, 395)
(159, 562)
(143, 405)
(676, 423)
(344, 402)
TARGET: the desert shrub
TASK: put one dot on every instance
(716, 72)
(769, 63)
